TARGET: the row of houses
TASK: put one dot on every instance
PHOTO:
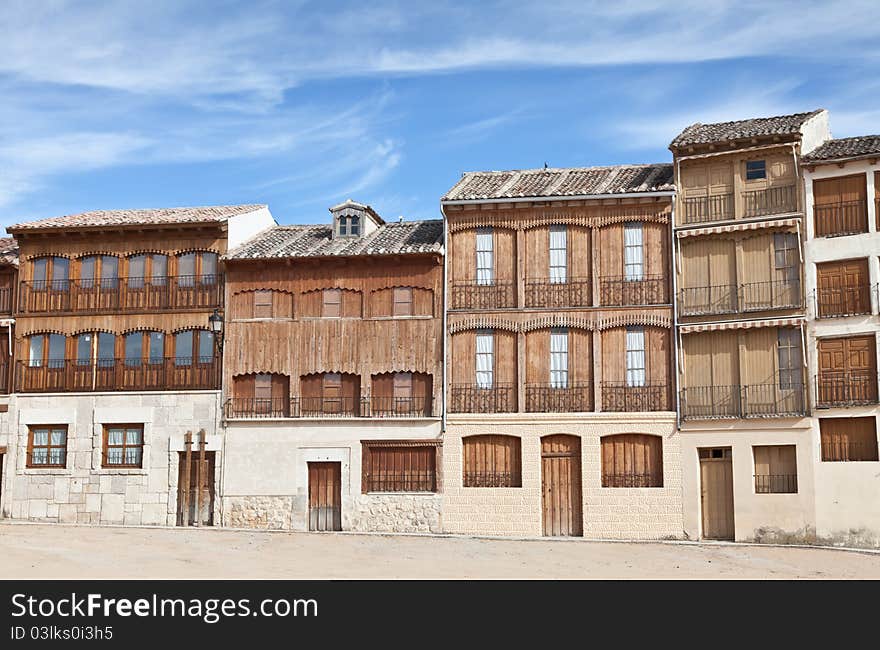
(672, 350)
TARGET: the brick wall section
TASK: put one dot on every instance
(609, 513)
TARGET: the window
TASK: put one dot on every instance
(402, 301)
(262, 304)
(349, 226)
(47, 446)
(403, 387)
(635, 356)
(51, 273)
(149, 268)
(332, 305)
(485, 362)
(559, 357)
(99, 271)
(193, 346)
(196, 268)
(633, 252)
(787, 258)
(46, 350)
(485, 257)
(106, 349)
(140, 346)
(632, 460)
(396, 467)
(332, 392)
(84, 344)
(756, 170)
(775, 469)
(134, 348)
(790, 360)
(558, 254)
(123, 445)
(848, 439)
(492, 461)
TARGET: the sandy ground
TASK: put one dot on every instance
(53, 551)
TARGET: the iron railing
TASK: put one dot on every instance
(776, 484)
(618, 396)
(409, 480)
(777, 399)
(471, 295)
(550, 398)
(329, 407)
(492, 479)
(632, 480)
(471, 398)
(619, 291)
(841, 218)
(717, 299)
(128, 294)
(160, 373)
(574, 292)
(842, 388)
(772, 200)
(839, 451)
(704, 209)
(849, 300)
(736, 299)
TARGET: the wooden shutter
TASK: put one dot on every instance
(243, 386)
(775, 469)
(632, 460)
(383, 386)
(423, 302)
(262, 304)
(311, 386)
(380, 303)
(491, 461)
(504, 241)
(351, 304)
(538, 357)
(422, 385)
(332, 303)
(350, 388)
(399, 467)
(403, 301)
(263, 386)
(611, 251)
(842, 288)
(280, 387)
(849, 439)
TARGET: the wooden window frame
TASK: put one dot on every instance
(558, 274)
(561, 380)
(195, 358)
(97, 279)
(644, 352)
(490, 355)
(788, 340)
(29, 460)
(106, 447)
(634, 271)
(324, 302)
(759, 166)
(44, 361)
(409, 309)
(199, 277)
(426, 485)
(257, 293)
(49, 280)
(148, 278)
(508, 476)
(489, 252)
(785, 255)
(770, 487)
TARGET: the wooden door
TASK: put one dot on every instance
(195, 490)
(561, 486)
(716, 493)
(325, 496)
(842, 288)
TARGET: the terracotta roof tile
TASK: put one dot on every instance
(844, 148)
(147, 217)
(8, 251)
(740, 129)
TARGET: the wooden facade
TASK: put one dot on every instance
(558, 273)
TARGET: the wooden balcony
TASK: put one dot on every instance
(161, 374)
(620, 397)
(620, 291)
(842, 388)
(248, 408)
(742, 401)
(847, 300)
(471, 295)
(842, 218)
(574, 292)
(773, 200)
(470, 398)
(548, 398)
(739, 299)
(122, 295)
(705, 209)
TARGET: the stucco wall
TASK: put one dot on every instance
(608, 513)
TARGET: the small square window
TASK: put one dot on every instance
(756, 170)
(123, 445)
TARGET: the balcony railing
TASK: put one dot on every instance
(5, 300)
(836, 388)
(548, 398)
(574, 292)
(850, 300)
(842, 218)
(704, 209)
(776, 484)
(471, 295)
(135, 294)
(470, 398)
(329, 407)
(619, 291)
(735, 299)
(742, 401)
(74, 376)
(841, 451)
(632, 480)
(618, 396)
(773, 200)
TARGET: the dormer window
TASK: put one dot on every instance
(349, 226)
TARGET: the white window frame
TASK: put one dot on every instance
(485, 358)
(559, 357)
(633, 251)
(558, 246)
(485, 254)
(636, 366)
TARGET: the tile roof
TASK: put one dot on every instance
(555, 182)
(8, 251)
(740, 129)
(843, 148)
(396, 238)
(147, 217)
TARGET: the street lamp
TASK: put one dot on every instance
(215, 322)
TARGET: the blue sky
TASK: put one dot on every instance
(304, 104)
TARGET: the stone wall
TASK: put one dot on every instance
(396, 513)
(266, 512)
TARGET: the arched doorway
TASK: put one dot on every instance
(561, 486)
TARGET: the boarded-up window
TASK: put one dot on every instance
(403, 301)
(790, 360)
(485, 257)
(848, 439)
(332, 305)
(399, 467)
(632, 460)
(262, 304)
(492, 461)
(775, 469)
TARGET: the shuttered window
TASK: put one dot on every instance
(390, 467)
(485, 362)
(332, 306)
(633, 251)
(775, 469)
(632, 460)
(403, 301)
(492, 461)
(485, 256)
(790, 360)
(558, 254)
(262, 304)
(635, 356)
(848, 439)
(559, 357)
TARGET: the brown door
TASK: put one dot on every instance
(325, 496)
(195, 490)
(561, 486)
(716, 493)
(842, 288)
(847, 371)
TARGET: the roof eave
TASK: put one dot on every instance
(568, 197)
